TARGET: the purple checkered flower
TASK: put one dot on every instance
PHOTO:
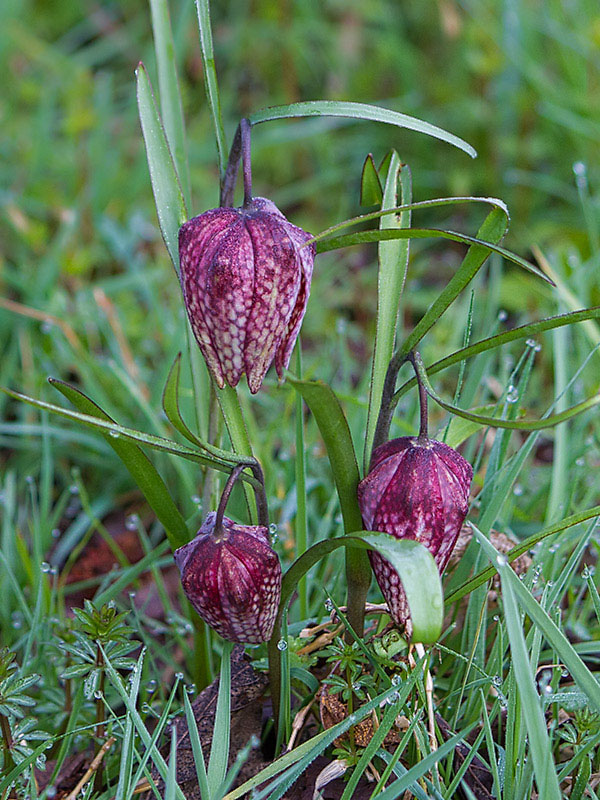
(246, 278)
(233, 579)
(417, 488)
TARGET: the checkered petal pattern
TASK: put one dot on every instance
(233, 581)
(245, 276)
(416, 489)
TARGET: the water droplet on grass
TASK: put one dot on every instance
(282, 645)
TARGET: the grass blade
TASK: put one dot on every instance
(219, 751)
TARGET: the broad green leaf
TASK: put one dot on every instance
(364, 237)
(168, 89)
(333, 427)
(393, 264)
(522, 332)
(328, 414)
(582, 676)
(371, 191)
(333, 108)
(413, 562)
(170, 205)
(139, 467)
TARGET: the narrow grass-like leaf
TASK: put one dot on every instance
(139, 467)
(210, 80)
(436, 202)
(170, 205)
(116, 431)
(171, 782)
(522, 332)
(393, 263)
(365, 237)
(333, 108)
(376, 741)
(127, 745)
(150, 745)
(219, 751)
(539, 743)
(585, 680)
(421, 768)
(170, 402)
(510, 424)
(493, 229)
(301, 523)
(523, 547)
(168, 88)
(196, 748)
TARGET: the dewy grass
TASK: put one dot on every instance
(87, 295)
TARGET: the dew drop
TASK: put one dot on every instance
(45, 566)
(579, 169)
(29, 480)
(356, 687)
(16, 620)
(190, 688)
(580, 462)
(502, 315)
(518, 490)
(396, 680)
(132, 596)
(254, 741)
(132, 522)
(273, 528)
(97, 694)
(51, 792)
(55, 533)
(74, 489)
(587, 573)
(196, 499)
(151, 686)
(282, 645)
(329, 605)
(179, 676)
(501, 560)
(393, 698)
(496, 618)
(512, 394)
(497, 681)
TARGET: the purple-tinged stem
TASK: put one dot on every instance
(416, 361)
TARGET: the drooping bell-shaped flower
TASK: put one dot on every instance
(246, 278)
(417, 488)
(232, 579)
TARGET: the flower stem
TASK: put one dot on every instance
(240, 148)
(417, 362)
(8, 743)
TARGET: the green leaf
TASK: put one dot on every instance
(139, 467)
(332, 108)
(416, 206)
(170, 402)
(582, 676)
(364, 237)
(328, 414)
(170, 205)
(522, 332)
(168, 89)
(210, 80)
(196, 748)
(219, 751)
(493, 229)
(519, 425)
(413, 562)
(371, 191)
(393, 264)
(460, 429)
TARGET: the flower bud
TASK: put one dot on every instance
(246, 278)
(233, 579)
(417, 488)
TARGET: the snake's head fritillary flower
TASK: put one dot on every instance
(417, 488)
(246, 278)
(233, 579)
